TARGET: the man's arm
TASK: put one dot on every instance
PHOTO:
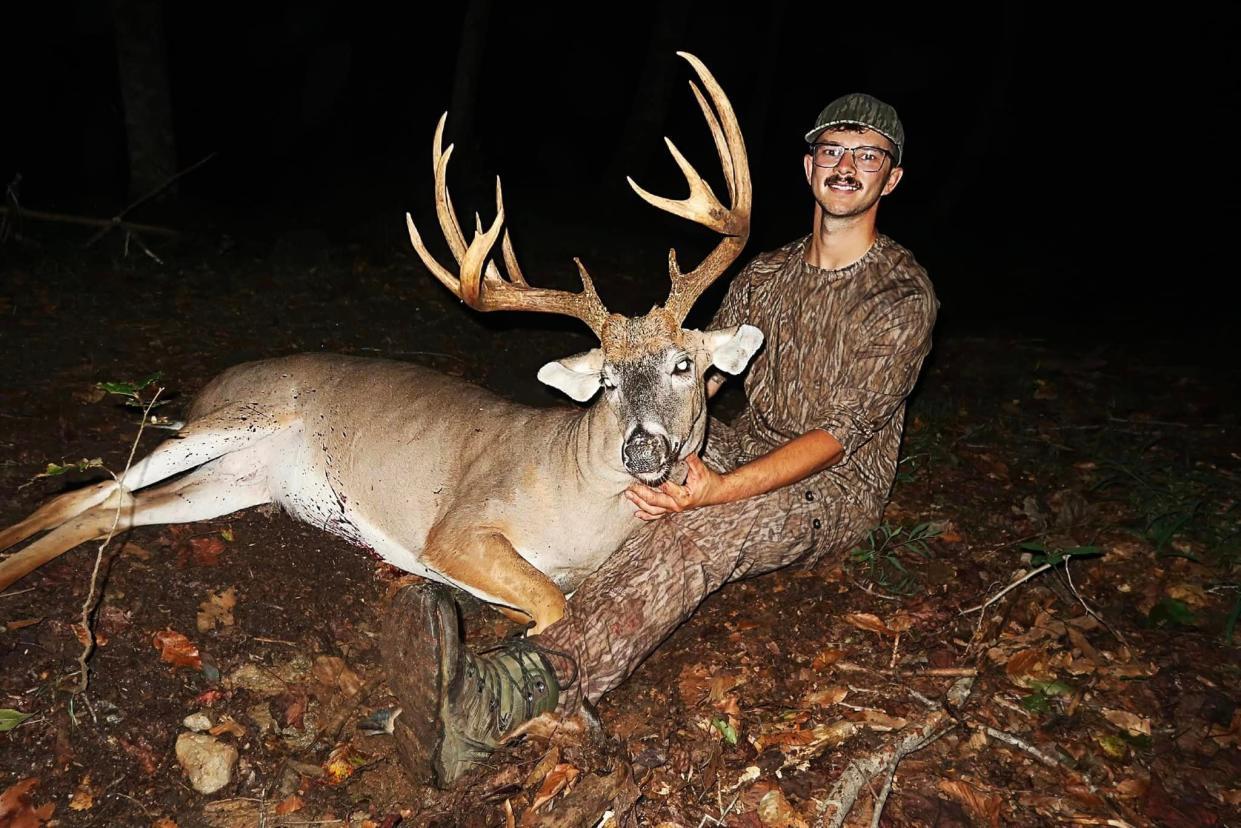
(795, 460)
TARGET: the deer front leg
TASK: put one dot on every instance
(486, 565)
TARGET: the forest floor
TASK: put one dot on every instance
(1103, 690)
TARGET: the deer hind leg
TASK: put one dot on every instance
(224, 485)
(224, 431)
(487, 566)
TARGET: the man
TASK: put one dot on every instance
(805, 471)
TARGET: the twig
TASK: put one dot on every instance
(89, 604)
(882, 798)
(116, 220)
(1005, 590)
(89, 221)
(1009, 739)
(18, 592)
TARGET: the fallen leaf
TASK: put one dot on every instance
(342, 762)
(985, 807)
(10, 718)
(832, 694)
(882, 722)
(545, 765)
(692, 684)
(217, 609)
(334, 672)
(289, 805)
(1231, 736)
(1029, 667)
(1192, 594)
(133, 550)
(176, 649)
(558, 780)
(1136, 725)
(825, 659)
(869, 622)
(228, 725)
(83, 799)
(206, 551)
(17, 808)
(21, 623)
(774, 811)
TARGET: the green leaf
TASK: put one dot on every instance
(1052, 688)
(726, 730)
(1036, 703)
(10, 718)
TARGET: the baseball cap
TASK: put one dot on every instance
(863, 110)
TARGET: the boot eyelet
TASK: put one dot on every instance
(540, 686)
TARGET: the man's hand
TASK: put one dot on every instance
(703, 487)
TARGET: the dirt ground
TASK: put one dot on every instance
(1102, 691)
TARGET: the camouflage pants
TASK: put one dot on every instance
(653, 583)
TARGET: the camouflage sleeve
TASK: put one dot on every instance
(879, 370)
(735, 309)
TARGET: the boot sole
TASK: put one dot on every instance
(413, 641)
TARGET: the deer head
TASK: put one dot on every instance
(649, 368)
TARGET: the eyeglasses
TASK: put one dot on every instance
(866, 159)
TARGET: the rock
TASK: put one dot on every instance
(197, 722)
(207, 761)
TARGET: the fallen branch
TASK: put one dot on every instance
(1007, 589)
(88, 221)
(841, 799)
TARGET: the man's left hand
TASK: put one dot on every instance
(703, 487)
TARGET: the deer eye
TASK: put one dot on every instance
(682, 366)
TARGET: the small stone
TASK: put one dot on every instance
(197, 722)
(207, 761)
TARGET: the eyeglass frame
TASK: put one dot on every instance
(814, 154)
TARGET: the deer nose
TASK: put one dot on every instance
(645, 452)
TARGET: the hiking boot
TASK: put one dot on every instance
(457, 705)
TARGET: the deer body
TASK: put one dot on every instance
(548, 480)
(439, 477)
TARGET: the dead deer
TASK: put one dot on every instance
(437, 476)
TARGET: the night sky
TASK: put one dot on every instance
(1030, 194)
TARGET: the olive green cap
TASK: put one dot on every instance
(863, 110)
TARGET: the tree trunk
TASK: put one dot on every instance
(143, 71)
(649, 106)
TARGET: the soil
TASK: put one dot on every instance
(1105, 689)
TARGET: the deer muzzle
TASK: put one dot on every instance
(646, 453)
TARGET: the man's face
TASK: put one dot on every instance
(845, 190)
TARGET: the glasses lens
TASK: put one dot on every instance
(868, 159)
(827, 155)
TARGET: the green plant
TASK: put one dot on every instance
(879, 555)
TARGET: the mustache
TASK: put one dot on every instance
(843, 179)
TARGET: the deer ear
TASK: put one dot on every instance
(577, 375)
(732, 348)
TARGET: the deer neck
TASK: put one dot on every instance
(596, 446)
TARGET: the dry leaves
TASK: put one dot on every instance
(1131, 722)
(17, 809)
(869, 622)
(176, 649)
(217, 609)
(984, 807)
(289, 805)
(826, 697)
(774, 811)
(334, 672)
(1029, 667)
(83, 798)
(558, 780)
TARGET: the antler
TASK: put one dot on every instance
(702, 206)
(480, 283)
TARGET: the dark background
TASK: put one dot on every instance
(1067, 171)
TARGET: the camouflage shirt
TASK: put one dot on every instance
(842, 351)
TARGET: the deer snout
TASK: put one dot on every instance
(646, 451)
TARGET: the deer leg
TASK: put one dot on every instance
(486, 565)
(218, 488)
(224, 431)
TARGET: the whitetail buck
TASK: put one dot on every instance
(439, 477)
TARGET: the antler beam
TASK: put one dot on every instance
(702, 206)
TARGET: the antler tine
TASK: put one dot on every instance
(480, 283)
(702, 206)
